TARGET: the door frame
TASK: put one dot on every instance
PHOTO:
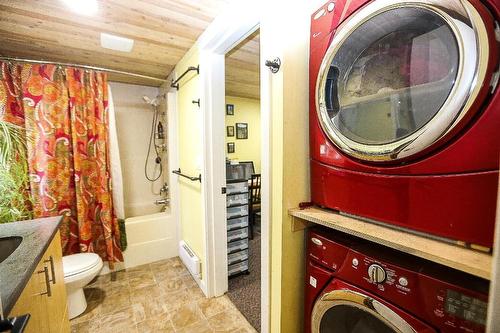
(227, 30)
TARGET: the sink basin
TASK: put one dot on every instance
(8, 245)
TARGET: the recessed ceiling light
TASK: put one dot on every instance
(116, 43)
(83, 7)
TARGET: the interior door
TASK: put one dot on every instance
(398, 76)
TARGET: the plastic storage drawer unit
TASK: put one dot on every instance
(237, 234)
(237, 223)
(237, 199)
(240, 187)
(237, 246)
(237, 257)
(238, 268)
(238, 211)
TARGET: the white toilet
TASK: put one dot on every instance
(79, 270)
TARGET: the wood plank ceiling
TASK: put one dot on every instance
(162, 30)
(242, 68)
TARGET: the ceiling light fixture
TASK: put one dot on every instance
(116, 43)
(82, 7)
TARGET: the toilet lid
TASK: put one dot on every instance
(80, 262)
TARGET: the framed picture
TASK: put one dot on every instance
(230, 130)
(241, 131)
(230, 147)
(230, 109)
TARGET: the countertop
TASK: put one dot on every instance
(463, 259)
(17, 269)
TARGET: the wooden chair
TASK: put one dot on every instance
(253, 201)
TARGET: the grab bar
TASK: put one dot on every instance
(175, 84)
(179, 173)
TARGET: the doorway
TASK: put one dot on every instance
(226, 31)
(243, 176)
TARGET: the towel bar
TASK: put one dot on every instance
(179, 173)
(175, 84)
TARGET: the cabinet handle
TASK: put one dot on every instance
(52, 269)
(316, 241)
(45, 271)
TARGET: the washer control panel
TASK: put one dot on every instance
(379, 277)
(376, 273)
(449, 300)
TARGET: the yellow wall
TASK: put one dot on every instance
(245, 111)
(190, 156)
(288, 38)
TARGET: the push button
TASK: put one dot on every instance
(331, 7)
(403, 281)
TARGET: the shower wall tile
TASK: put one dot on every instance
(133, 122)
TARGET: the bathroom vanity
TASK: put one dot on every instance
(31, 275)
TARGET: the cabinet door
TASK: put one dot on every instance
(31, 301)
(56, 303)
(44, 297)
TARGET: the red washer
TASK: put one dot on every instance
(405, 114)
(354, 287)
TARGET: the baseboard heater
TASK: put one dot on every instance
(189, 259)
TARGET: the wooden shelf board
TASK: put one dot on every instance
(460, 258)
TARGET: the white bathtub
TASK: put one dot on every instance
(150, 238)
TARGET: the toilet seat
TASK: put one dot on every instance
(75, 264)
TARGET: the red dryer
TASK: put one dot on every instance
(405, 114)
(356, 287)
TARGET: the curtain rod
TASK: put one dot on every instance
(101, 69)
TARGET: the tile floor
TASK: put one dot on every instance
(158, 297)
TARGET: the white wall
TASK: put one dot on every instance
(133, 122)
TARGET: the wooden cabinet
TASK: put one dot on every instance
(30, 302)
(44, 297)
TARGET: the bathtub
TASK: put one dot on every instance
(150, 238)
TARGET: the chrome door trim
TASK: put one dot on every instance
(471, 35)
(362, 302)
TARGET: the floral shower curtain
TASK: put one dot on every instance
(65, 113)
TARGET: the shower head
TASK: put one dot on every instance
(155, 101)
(149, 100)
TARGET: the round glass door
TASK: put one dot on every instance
(394, 79)
(346, 311)
(391, 76)
(349, 319)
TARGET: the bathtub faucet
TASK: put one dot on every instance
(164, 189)
(163, 201)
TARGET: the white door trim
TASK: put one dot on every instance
(173, 158)
(234, 25)
(212, 97)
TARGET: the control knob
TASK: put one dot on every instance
(376, 273)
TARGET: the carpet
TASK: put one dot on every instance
(244, 290)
